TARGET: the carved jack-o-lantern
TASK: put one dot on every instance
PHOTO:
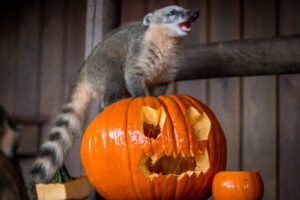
(168, 147)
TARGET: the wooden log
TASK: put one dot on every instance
(278, 55)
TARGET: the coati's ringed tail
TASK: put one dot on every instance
(67, 127)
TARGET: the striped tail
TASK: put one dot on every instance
(66, 129)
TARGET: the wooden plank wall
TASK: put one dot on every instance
(259, 102)
(43, 43)
(288, 102)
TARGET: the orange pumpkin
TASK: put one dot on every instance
(238, 185)
(168, 147)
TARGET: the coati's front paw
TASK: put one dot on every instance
(138, 91)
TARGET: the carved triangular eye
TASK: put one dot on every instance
(153, 121)
(200, 123)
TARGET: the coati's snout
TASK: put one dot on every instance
(178, 20)
(194, 14)
(190, 16)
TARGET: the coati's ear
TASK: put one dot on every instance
(147, 19)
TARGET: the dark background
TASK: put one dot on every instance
(44, 42)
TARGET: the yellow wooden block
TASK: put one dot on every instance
(74, 189)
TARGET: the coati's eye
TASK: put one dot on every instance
(172, 12)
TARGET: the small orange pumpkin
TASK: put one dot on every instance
(168, 147)
(238, 185)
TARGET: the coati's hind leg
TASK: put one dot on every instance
(66, 128)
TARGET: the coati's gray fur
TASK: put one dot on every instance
(130, 61)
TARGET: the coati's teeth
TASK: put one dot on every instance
(186, 29)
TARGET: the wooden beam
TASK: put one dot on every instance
(278, 55)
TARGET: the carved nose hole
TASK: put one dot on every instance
(150, 130)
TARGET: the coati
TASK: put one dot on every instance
(131, 60)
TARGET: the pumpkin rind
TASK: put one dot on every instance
(238, 185)
(114, 143)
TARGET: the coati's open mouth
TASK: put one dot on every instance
(176, 165)
(186, 26)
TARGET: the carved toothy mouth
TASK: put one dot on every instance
(153, 164)
(176, 165)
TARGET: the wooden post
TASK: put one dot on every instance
(102, 17)
(278, 55)
(111, 15)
